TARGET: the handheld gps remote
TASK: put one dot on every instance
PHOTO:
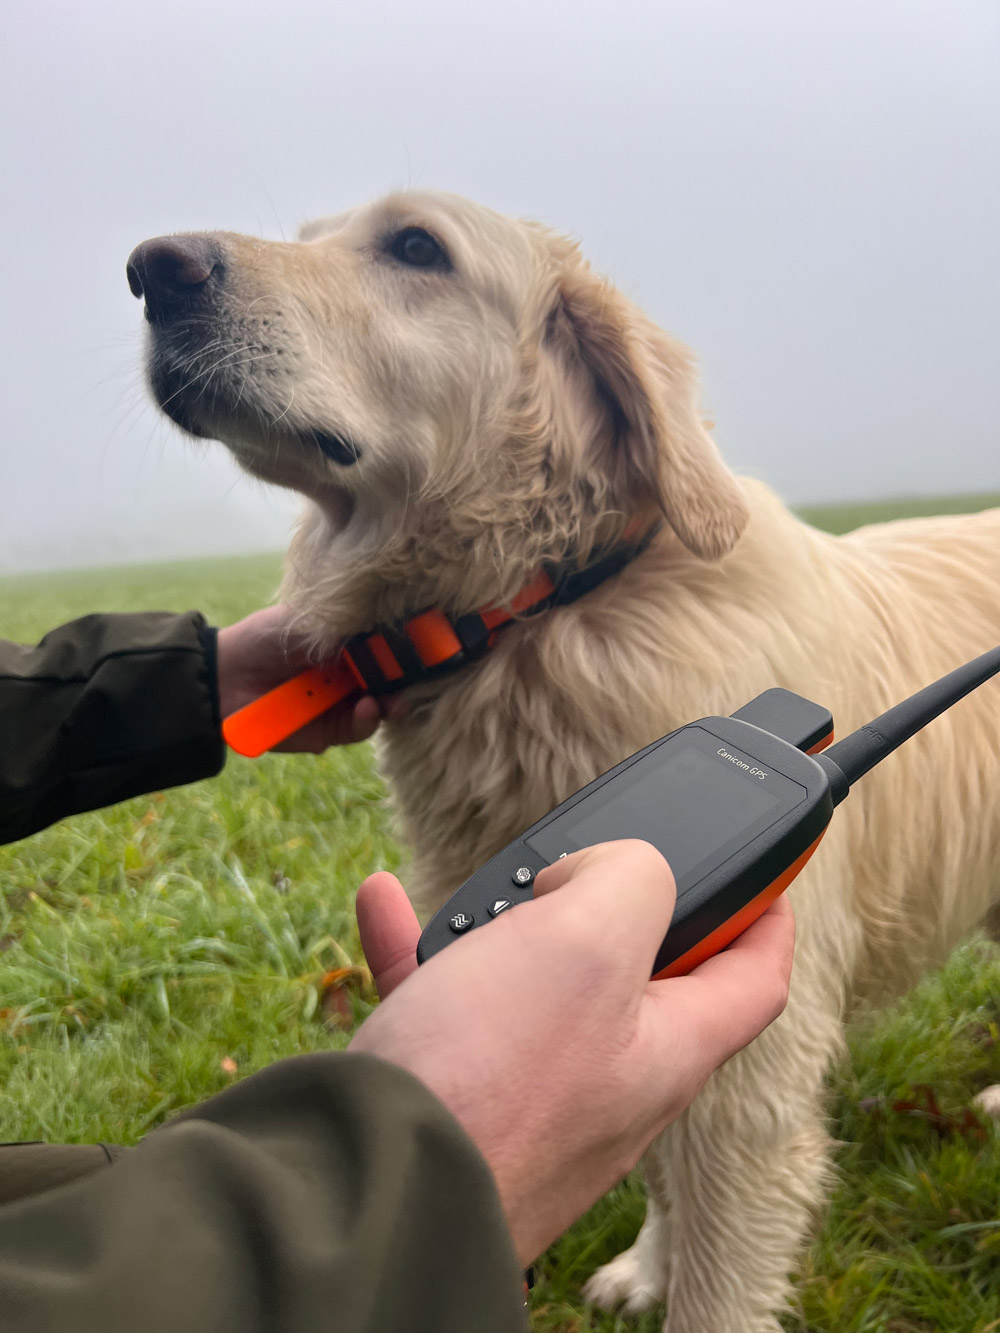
(737, 805)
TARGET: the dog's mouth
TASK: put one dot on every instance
(338, 448)
(301, 449)
(213, 405)
(220, 374)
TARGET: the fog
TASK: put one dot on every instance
(806, 193)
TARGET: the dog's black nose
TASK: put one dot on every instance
(174, 273)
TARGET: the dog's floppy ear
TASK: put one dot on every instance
(659, 451)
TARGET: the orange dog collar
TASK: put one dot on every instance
(390, 658)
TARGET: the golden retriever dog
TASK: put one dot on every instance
(461, 400)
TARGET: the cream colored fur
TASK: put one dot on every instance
(513, 408)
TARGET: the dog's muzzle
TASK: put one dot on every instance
(183, 280)
(177, 275)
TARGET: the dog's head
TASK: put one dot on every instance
(456, 391)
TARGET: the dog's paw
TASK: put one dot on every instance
(626, 1281)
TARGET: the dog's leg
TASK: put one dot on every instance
(749, 1160)
(637, 1278)
(746, 1168)
(741, 1210)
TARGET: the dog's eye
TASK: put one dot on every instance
(418, 248)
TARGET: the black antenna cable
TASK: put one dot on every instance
(863, 749)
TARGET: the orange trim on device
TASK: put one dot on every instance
(717, 939)
(821, 745)
(276, 715)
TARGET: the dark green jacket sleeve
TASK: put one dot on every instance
(106, 707)
(330, 1192)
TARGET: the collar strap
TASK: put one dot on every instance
(430, 644)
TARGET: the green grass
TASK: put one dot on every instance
(142, 946)
(149, 950)
(844, 517)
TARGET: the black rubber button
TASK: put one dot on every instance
(461, 922)
(523, 876)
(499, 905)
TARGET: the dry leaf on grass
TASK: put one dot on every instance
(336, 990)
(923, 1105)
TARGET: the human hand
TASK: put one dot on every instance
(544, 1035)
(263, 651)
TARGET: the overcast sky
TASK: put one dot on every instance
(805, 192)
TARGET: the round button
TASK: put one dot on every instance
(499, 905)
(461, 922)
(523, 876)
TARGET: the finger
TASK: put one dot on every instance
(389, 930)
(344, 725)
(281, 628)
(559, 873)
(624, 891)
(767, 942)
(731, 998)
(364, 719)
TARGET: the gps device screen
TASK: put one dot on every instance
(690, 800)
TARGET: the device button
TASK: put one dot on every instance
(523, 876)
(461, 922)
(499, 905)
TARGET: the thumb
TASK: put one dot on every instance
(389, 930)
(706, 1017)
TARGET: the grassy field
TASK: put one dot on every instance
(151, 953)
